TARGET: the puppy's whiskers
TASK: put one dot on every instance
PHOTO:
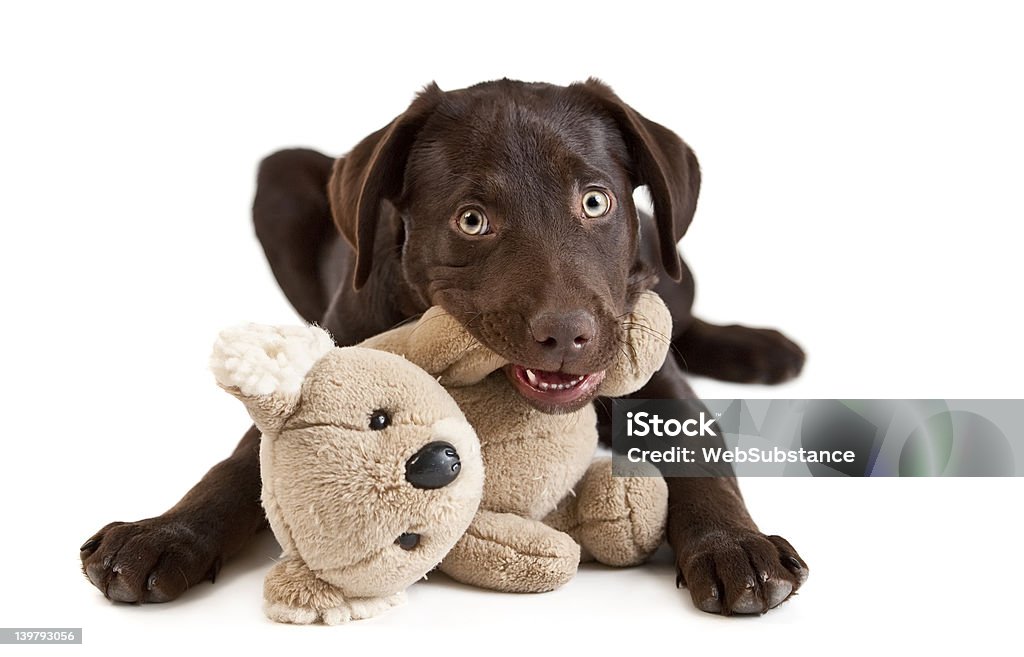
(658, 335)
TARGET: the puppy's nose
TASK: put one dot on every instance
(564, 334)
(435, 466)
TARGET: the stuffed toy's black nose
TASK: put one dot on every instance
(434, 466)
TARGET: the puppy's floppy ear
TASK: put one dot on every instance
(663, 162)
(372, 172)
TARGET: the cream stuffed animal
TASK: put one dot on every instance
(546, 503)
(370, 471)
(372, 474)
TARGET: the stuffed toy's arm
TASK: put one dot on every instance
(648, 335)
(439, 344)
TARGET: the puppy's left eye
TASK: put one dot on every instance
(596, 203)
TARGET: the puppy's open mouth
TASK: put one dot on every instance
(555, 391)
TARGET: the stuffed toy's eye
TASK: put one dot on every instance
(408, 541)
(473, 222)
(380, 420)
(596, 204)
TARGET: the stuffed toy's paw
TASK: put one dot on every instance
(293, 594)
(618, 521)
(370, 471)
(506, 552)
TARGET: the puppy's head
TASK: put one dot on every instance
(514, 205)
(370, 471)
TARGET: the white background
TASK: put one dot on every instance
(862, 191)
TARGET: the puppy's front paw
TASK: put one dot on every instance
(740, 571)
(151, 560)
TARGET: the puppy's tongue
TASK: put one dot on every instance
(554, 388)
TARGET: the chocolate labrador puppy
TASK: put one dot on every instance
(510, 205)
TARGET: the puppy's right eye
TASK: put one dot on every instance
(473, 222)
(380, 420)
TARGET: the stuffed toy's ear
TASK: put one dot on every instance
(648, 335)
(264, 366)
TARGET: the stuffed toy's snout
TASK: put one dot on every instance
(370, 471)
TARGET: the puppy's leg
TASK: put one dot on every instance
(738, 353)
(292, 218)
(506, 552)
(618, 521)
(730, 353)
(729, 566)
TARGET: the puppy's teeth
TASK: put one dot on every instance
(531, 377)
(543, 386)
